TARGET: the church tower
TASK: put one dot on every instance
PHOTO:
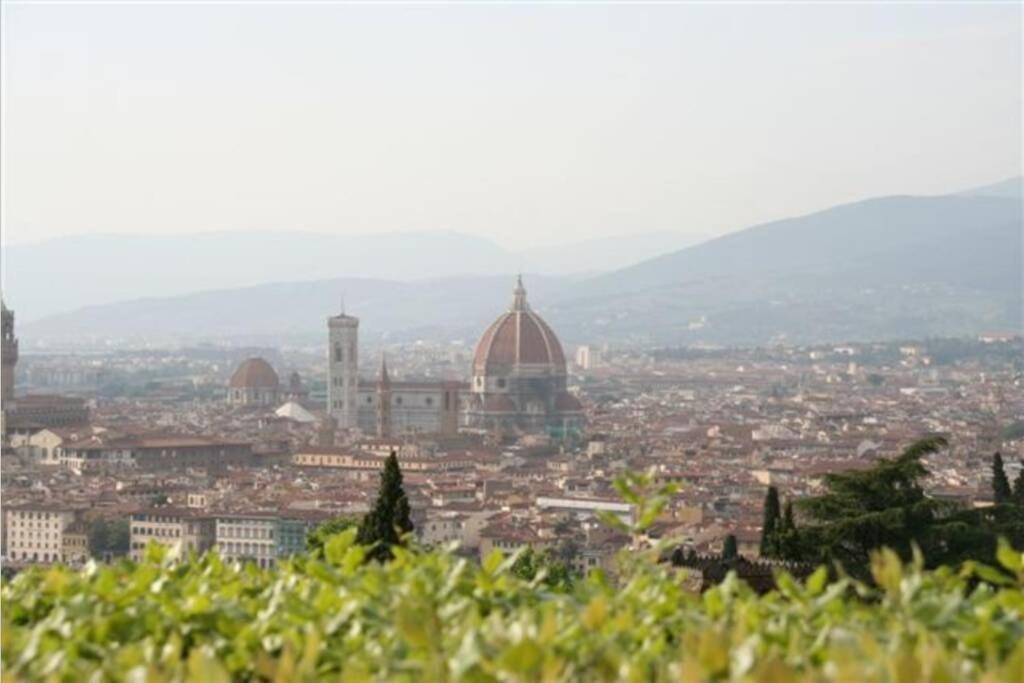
(343, 370)
(383, 400)
(9, 353)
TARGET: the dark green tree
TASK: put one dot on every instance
(770, 526)
(385, 525)
(788, 541)
(108, 538)
(317, 538)
(867, 509)
(886, 506)
(530, 563)
(1001, 492)
(788, 524)
(1018, 488)
(730, 550)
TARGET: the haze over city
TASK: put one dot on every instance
(491, 341)
(530, 125)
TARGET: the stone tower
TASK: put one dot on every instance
(9, 353)
(383, 400)
(343, 370)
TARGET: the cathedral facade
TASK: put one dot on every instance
(518, 384)
(381, 406)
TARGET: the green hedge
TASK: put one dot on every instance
(431, 616)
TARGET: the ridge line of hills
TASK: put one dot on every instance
(887, 267)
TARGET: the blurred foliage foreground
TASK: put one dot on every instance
(431, 616)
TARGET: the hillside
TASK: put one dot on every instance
(62, 275)
(453, 308)
(881, 268)
(891, 267)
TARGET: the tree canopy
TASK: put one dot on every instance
(318, 537)
(108, 537)
(770, 526)
(1001, 491)
(385, 525)
(886, 506)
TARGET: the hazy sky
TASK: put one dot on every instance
(525, 124)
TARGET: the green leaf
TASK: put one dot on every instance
(337, 546)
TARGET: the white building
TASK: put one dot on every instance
(35, 533)
(251, 537)
(587, 357)
(587, 507)
(180, 530)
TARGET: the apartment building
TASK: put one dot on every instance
(252, 537)
(181, 530)
(36, 532)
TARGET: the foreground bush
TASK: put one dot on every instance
(435, 617)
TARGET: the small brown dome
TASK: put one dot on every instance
(254, 373)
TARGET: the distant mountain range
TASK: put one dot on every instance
(61, 275)
(891, 267)
(880, 268)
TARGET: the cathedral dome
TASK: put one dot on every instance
(519, 337)
(254, 373)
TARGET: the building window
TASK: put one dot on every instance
(337, 353)
(501, 383)
(398, 400)
(430, 400)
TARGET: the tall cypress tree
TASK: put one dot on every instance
(788, 544)
(1018, 488)
(1001, 492)
(770, 525)
(787, 518)
(389, 519)
(730, 551)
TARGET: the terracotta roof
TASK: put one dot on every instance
(254, 373)
(518, 336)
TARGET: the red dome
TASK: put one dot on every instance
(254, 373)
(518, 337)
